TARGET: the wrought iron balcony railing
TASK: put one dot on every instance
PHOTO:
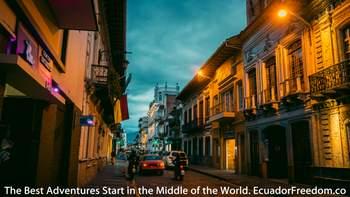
(222, 107)
(336, 76)
(191, 126)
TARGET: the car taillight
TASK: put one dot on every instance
(161, 164)
(144, 165)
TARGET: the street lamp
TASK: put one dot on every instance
(284, 12)
(201, 74)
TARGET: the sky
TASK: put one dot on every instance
(169, 40)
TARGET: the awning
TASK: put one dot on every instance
(76, 15)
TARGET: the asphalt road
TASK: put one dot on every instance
(154, 185)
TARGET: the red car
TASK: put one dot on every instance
(151, 163)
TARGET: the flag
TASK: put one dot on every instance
(117, 112)
(124, 107)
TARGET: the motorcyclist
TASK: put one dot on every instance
(177, 164)
(133, 161)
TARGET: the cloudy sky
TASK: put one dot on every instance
(169, 40)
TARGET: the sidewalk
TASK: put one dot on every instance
(241, 180)
(108, 176)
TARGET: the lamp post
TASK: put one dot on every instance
(284, 12)
(201, 74)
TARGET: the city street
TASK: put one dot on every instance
(111, 177)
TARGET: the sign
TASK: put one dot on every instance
(45, 60)
(27, 47)
(87, 120)
(99, 74)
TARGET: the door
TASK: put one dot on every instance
(230, 154)
(254, 152)
(301, 151)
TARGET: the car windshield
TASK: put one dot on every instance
(151, 157)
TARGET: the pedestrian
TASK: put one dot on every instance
(113, 156)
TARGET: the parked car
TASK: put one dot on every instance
(122, 163)
(151, 163)
(169, 157)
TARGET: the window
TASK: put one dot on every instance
(185, 117)
(64, 46)
(252, 87)
(234, 69)
(189, 147)
(215, 105)
(200, 148)
(160, 96)
(270, 79)
(195, 113)
(207, 107)
(346, 35)
(296, 65)
(227, 100)
(190, 115)
(207, 146)
(240, 94)
(200, 113)
(185, 147)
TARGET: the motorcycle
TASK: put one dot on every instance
(179, 172)
(131, 172)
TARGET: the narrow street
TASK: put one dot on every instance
(111, 177)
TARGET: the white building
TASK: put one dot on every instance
(163, 103)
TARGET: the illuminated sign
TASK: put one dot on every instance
(99, 74)
(45, 60)
(87, 120)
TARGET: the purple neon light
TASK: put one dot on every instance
(56, 89)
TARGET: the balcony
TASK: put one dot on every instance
(192, 126)
(332, 82)
(222, 111)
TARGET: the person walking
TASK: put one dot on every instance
(113, 154)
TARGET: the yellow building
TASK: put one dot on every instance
(296, 106)
(43, 59)
(213, 121)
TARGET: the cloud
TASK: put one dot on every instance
(170, 39)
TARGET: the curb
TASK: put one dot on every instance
(208, 174)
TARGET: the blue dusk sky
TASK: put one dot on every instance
(169, 41)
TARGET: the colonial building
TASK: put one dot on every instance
(296, 106)
(103, 93)
(213, 121)
(143, 130)
(42, 58)
(45, 48)
(163, 103)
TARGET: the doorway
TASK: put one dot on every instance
(254, 152)
(275, 143)
(230, 145)
(301, 151)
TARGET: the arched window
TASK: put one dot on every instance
(346, 41)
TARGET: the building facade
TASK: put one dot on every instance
(295, 99)
(101, 103)
(42, 68)
(143, 130)
(163, 103)
(213, 120)
(44, 52)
